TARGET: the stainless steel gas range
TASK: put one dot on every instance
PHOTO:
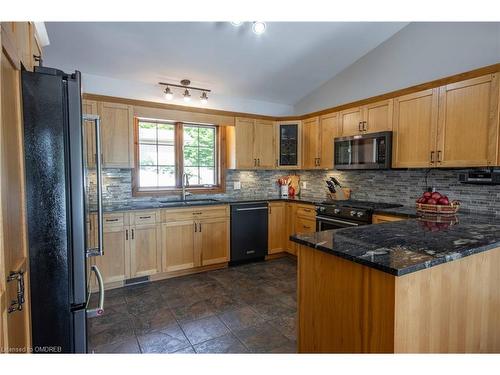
(345, 214)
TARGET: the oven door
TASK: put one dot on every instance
(327, 223)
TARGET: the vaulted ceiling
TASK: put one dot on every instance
(282, 65)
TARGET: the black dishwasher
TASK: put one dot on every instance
(248, 231)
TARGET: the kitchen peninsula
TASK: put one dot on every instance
(400, 287)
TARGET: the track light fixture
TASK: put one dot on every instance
(168, 93)
(185, 84)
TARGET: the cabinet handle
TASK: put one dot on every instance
(258, 162)
(197, 213)
(439, 157)
(109, 220)
(132, 234)
(144, 217)
(126, 234)
(254, 162)
(199, 226)
(195, 228)
(365, 126)
(359, 126)
(432, 157)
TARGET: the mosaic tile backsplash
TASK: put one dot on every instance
(401, 186)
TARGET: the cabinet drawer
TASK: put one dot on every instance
(176, 214)
(211, 212)
(306, 211)
(143, 218)
(114, 219)
(303, 225)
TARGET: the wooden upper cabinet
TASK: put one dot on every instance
(370, 118)
(415, 129)
(277, 227)
(378, 116)
(350, 121)
(89, 107)
(328, 132)
(253, 144)
(244, 143)
(468, 123)
(264, 147)
(212, 241)
(310, 143)
(117, 134)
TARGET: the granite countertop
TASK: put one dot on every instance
(403, 211)
(149, 205)
(411, 245)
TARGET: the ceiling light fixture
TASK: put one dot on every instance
(259, 27)
(185, 84)
(204, 98)
(187, 96)
(236, 23)
(168, 93)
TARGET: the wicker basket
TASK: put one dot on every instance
(450, 209)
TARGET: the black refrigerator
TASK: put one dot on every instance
(56, 210)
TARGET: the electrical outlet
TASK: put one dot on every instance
(304, 184)
(237, 185)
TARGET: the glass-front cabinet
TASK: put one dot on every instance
(288, 142)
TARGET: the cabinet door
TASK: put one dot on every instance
(378, 116)
(310, 143)
(288, 145)
(415, 129)
(89, 107)
(244, 134)
(212, 245)
(115, 263)
(329, 130)
(277, 227)
(117, 135)
(145, 257)
(468, 123)
(263, 146)
(177, 245)
(291, 211)
(349, 121)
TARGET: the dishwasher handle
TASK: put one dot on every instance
(251, 209)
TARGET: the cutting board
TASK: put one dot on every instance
(295, 183)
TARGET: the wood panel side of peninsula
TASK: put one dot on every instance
(346, 307)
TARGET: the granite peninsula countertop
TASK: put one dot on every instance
(154, 204)
(407, 246)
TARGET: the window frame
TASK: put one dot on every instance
(220, 161)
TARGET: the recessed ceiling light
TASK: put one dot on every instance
(187, 96)
(236, 23)
(259, 27)
(168, 93)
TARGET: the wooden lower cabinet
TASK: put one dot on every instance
(212, 241)
(305, 225)
(145, 255)
(177, 245)
(114, 264)
(378, 218)
(277, 238)
(300, 218)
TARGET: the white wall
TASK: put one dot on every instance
(418, 53)
(94, 84)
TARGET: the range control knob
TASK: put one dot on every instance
(336, 211)
(359, 213)
(320, 209)
(353, 213)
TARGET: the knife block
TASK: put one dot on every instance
(335, 196)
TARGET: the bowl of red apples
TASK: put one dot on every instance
(436, 203)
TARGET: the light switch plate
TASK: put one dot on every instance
(237, 185)
(304, 184)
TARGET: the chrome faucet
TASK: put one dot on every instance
(185, 182)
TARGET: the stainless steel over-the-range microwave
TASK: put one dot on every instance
(364, 151)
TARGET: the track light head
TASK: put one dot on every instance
(187, 96)
(204, 98)
(168, 93)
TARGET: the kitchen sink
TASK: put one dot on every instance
(187, 202)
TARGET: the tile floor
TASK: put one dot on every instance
(244, 309)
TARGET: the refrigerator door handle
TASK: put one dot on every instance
(99, 310)
(99, 251)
